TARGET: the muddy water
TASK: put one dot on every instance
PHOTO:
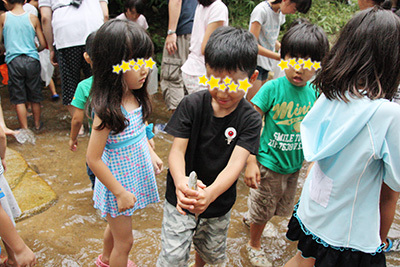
(70, 232)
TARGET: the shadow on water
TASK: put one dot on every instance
(70, 232)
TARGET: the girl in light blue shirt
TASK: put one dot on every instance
(352, 135)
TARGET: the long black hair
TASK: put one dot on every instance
(115, 41)
(365, 61)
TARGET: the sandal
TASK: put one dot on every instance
(99, 263)
(257, 257)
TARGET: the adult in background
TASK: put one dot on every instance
(176, 50)
(66, 25)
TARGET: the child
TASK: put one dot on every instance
(19, 29)
(209, 15)
(284, 101)
(79, 103)
(134, 12)
(214, 132)
(118, 151)
(8, 202)
(265, 23)
(352, 134)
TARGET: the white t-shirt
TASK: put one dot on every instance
(72, 25)
(31, 9)
(203, 16)
(141, 20)
(270, 26)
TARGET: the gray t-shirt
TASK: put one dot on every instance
(270, 26)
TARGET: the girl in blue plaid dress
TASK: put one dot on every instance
(118, 152)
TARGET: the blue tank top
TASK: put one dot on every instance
(19, 36)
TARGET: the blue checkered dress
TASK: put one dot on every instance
(130, 163)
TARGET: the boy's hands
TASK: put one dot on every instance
(125, 201)
(187, 198)
(204, 199)
(25, 257)
(252, 175)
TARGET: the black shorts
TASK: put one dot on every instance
(71, 61)
(24, 82)
(262, 73)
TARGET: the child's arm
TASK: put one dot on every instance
(255, 29)
(176, 160)
(155, 159)
(125, 200)
(387, 208)
(38, 28)
(8, 233)
(252, 174)
(209, 30)
(224, 180)
(76, 124)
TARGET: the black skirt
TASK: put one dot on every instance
(326, 255)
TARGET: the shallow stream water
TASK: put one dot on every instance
(70, 232)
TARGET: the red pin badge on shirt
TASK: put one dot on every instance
(230, 133)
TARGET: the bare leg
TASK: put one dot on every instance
(121, 230)
(7, 131)
(36, 109)
(199, 261)
(21, 114)
(299, 261)
(108, 245)
(254, 89)
(52, 87)
(256, 231)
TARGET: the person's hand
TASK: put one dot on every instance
(204, 199)
(170, 43)
(185, 197)
(25, 257)
(157, 163)
(125, 201)
(73, 144)
(3, 162)
(53, 58)
(277, 46)
(252, 175)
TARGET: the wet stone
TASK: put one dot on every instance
(32, 193)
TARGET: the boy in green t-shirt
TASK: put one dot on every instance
(79, 103)
(285, 101)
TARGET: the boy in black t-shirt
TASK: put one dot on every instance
(215, 131)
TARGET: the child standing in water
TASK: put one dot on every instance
(352, 135)
(265, 23)
(118, 151)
